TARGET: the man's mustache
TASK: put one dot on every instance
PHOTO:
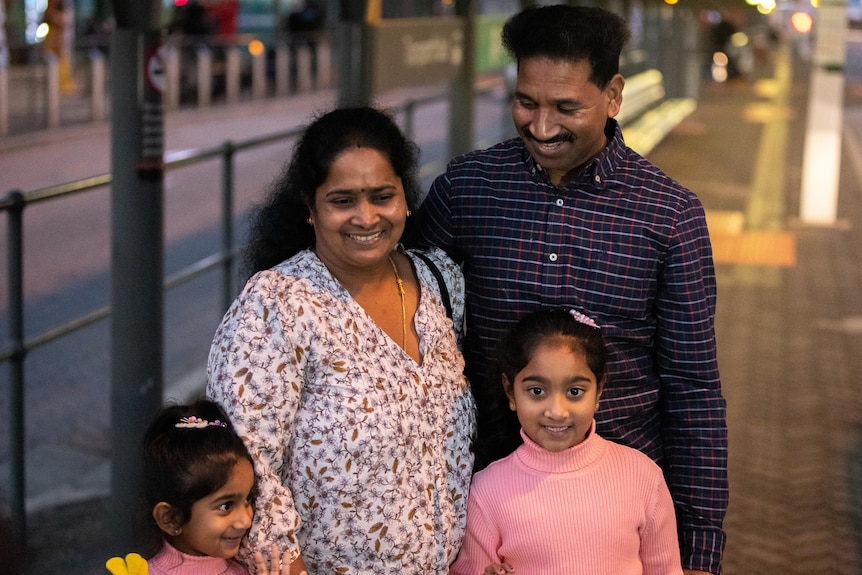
(561, 137)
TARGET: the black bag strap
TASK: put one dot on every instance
(444, 291)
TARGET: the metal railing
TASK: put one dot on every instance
(212, 70)
(14, 204)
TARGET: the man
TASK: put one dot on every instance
(567, 215)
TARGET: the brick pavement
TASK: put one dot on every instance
(789, 327)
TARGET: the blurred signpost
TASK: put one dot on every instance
(415, 51)
(137, 149)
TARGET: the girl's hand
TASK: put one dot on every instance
(279, 564)
(498, 569)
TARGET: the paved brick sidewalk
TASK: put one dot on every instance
(789, 330)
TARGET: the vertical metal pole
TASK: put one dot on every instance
(354, 77)
(354, 82)
(282, 65)
(97, 84)
(52, 90)
(15, 282)
(461, 95)
(204, 75)
(410, 118)
(227, 225)
(232, 74)
(137, 165)
(4, 99)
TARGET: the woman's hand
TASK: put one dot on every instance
(280, 564)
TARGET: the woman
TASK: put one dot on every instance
(339, 366)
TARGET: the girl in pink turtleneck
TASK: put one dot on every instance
(566, 501)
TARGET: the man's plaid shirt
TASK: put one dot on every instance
(628, 246)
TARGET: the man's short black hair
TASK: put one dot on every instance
(570, 33)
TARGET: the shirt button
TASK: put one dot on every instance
(560, 202)
(598, 179)
(552, 257)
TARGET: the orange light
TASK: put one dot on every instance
(671, 2)
(256, 47)
(801, 22)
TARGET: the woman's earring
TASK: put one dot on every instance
(308, 221)
(409, 213)
(177, 531)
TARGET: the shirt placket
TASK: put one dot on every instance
(554, 261)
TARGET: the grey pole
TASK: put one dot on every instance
(461, 114)
(354, 77)
(137, 150)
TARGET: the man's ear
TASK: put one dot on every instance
(166, 519)
(614, 92)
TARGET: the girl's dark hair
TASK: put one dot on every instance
(278, 227)
(500, 435)
(184, 464)
(571, 33)
(519, 345)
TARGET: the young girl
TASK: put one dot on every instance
(567, 500)
(199, 486)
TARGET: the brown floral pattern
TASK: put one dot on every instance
(363, 457)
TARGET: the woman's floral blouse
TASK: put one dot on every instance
(363, 457)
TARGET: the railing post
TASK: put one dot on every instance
(227, 223)
(258, 75)
(409, 113)
(172, 76)
(15, 282)
(232, 75)
(354, 75)
(4, 99)
(205, 75)
(52, 87)
(324, 65)
(97, 85)
(463, 88)
(282, 70)
(303, 67)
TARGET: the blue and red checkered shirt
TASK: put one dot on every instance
(629, 247)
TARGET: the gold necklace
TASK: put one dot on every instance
(400, 283)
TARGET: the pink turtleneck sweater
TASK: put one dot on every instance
(598, 508)
(169, 561)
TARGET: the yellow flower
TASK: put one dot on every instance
(134, 564)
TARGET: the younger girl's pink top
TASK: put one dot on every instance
(598, 508)
(169, 561)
